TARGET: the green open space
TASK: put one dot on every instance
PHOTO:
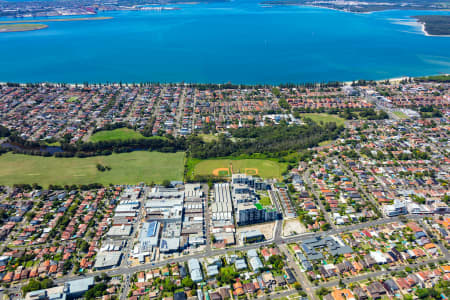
(72, 99)
(265, 201)
(224, 173)
(126, 168)
(260, 167)
(317, 117)
(117, 134)
(208, 138)
(53, 144)
(258, 206)
(400, 114)
(325, 143)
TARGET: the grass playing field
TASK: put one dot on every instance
(400, 114)
(222, 167)
(117, 134)
(126, 168)
(324, 118)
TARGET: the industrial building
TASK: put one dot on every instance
(149, 235)
(119, 231)
(193, 229)
(107, 259)
(222, 215)
(165, 205)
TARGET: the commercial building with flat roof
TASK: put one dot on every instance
(107, 260)
(70, 290)
(149, 235)
(222, 214)
(119, 231)
(165, 205)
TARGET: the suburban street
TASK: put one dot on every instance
(299, 275)
(318, 201)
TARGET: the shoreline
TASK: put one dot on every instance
(425, 32)
(344, 10)
(316, 6)
(129, 84)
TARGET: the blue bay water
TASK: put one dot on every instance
(239, 42)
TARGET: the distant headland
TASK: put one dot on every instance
(435, 25)
(363, 6)
(31, 25)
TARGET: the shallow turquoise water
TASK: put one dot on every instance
(240, 42)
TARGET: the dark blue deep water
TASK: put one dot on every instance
(240, 42)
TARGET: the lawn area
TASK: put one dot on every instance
(117, 134)
(126, 168)
(265, 201)
(325, 143)
(400, 114)
(324, 118)
(54, 144)
(222, 167)
(208, 138)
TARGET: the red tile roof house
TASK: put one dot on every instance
(265, 253)
(8, 277)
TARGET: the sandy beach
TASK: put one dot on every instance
(427, 34)
(394, 79)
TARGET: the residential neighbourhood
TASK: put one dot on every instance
(362, 216)
(50, 112)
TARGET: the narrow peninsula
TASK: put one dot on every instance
(21, 27)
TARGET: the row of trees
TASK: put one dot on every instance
(4, 132)
(155, 144)
(365, 113)
(268, 140)
(34, 285)
(201, 86)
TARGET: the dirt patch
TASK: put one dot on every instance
(292, 227)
